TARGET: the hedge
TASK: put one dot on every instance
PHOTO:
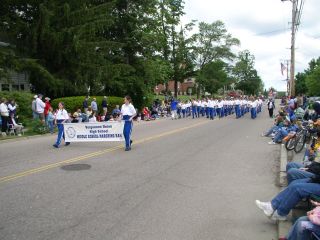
(74, 103)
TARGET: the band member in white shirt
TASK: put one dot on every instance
(61, 117)
(128, 112)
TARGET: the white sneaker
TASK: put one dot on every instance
(277, 217)
(271, 143)
(272, 135)
(266, 207)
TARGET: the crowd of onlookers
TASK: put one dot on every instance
(8, 110)
(303, 177)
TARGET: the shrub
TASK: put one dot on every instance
(73, 103)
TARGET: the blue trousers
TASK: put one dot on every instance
(282, 133)
(198, 111)
(293, 194)
(60, 132)
(253, 113)
(211, 112)
(127, 129)
(222, 112)
(183, 113)
(50, 125)
(237, 109)
(194, 112)
(219, 112)
(202, 111)
(207, 112)
(294, 172)
(271, 130)
(302, 228)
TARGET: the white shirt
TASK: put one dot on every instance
(12, 108)
(4, 110)
(40, 105)
(220, 104)
(62, 115)
(128, 110)
(93, 119)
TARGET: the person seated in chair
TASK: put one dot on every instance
(14, 125)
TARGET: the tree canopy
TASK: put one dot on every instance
(116, 47)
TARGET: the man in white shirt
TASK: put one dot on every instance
(40, 105)
(4, 111)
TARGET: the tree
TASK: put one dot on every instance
(246, 75)
(313, 81)
(213, 76)
(211, 43)
(307, 82)
(301, 86)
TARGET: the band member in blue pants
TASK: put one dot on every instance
(61, 117)
(128, 112)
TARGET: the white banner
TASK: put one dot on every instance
(94, 132)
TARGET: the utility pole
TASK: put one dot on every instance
(293, 40)
(297, 6)
(286, 62)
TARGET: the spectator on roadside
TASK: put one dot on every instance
(85, 104)
(50, 119)
(92, 117)
(17, 127)
(278, 124)
(75, 118)
(82, 116)
(94, 105)
(116, 112)
(4, 111)
(89, 111)
(12, 106)
(146, 114)
(104, 105)
(40, 105)
(304, 226)
(35, 114)
(286, 200)
(284, 131)
(46, 109)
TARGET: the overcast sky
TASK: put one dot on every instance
(262, 26)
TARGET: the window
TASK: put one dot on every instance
(22, 87)
(15, 87)
(5, 87)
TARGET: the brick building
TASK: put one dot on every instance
(187, 87)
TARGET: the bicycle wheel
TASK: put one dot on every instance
(290, 143)
(300, 141)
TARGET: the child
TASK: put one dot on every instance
(50, 118)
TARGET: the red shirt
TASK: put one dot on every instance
(46, 108)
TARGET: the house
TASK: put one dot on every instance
(14, 81)
(187, 87)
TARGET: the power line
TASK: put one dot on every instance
(271, 32)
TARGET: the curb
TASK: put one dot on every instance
(283, 226)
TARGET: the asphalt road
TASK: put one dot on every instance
(183, 179)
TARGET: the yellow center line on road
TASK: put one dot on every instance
(91, 155)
